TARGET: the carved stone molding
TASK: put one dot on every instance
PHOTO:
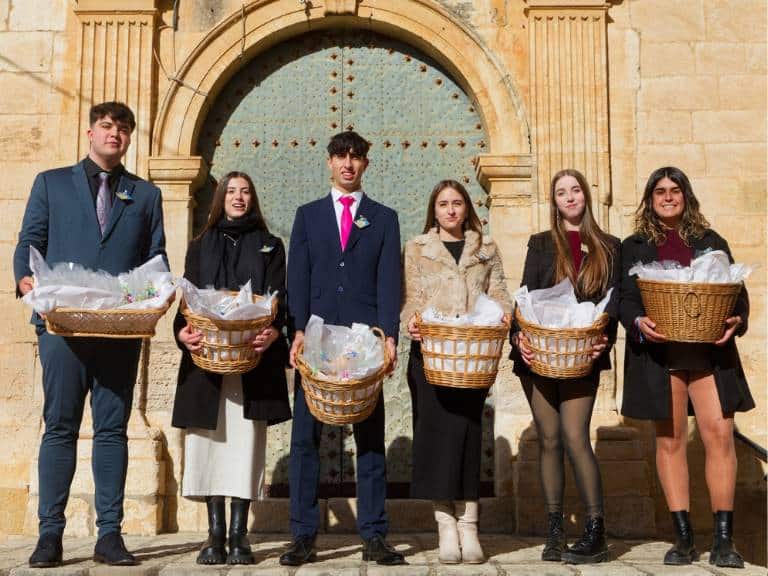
(577, 4)
(116, 63)
(189, 171)
(506, 178)
(341, 7)
(109, 6)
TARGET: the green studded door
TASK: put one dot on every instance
(273, 121)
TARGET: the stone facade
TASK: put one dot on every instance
(613, 88)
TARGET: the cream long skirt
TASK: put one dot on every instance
(228, 461)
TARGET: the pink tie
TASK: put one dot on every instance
(346, 219)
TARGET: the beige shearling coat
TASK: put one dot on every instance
(433, 278)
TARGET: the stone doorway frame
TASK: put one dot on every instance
(506, 173)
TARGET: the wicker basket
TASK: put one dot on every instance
(79, 322)
(340, 402)
(226, 344)
(461, 356)
(689, 311)
(562, 352)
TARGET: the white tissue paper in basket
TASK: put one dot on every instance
(342, 353)
(486, 312)
(70, 285)
(222, 305)
(710, 268)
(557, 307)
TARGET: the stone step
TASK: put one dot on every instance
(174, 555)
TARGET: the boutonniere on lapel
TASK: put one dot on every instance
(266, 249)
(126, 195)
(362, 222)
(584, 248)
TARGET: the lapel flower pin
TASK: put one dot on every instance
(266, 249)
(362, 222)
(125, 195)
(584, 248)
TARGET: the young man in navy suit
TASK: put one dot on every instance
(96, 214)
(344, 266)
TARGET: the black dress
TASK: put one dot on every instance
(447, 431)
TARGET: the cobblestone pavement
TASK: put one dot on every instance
(340, 555)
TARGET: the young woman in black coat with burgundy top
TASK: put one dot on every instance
(576, 248)
(226, 417)
(663, 379)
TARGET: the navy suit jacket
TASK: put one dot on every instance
(360, 284)
(60, 221)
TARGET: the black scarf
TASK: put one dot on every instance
(229, 255)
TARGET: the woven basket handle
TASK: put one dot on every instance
(691, 305)
(379, 333)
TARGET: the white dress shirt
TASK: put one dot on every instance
(338, 207)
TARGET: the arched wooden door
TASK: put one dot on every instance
(273, 121)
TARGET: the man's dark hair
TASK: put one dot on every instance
(349, 141)
(118, 111)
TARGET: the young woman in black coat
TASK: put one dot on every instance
(662, 379)
(576, 248)
(226, 417)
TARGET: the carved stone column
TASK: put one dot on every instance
(116, 63)
(569, 93)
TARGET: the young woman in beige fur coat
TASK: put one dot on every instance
(448, 267)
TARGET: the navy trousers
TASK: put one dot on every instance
(71, 368)
(304, 470)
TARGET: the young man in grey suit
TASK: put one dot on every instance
(96, 214)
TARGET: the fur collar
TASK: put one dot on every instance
(477, 248)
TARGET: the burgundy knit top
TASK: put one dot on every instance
(574, 241)
(675, 249)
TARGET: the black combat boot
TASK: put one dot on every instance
(239, 547)
(724, 554)
(683, 552)
(591, 548)
(213, 550)
(556, 543)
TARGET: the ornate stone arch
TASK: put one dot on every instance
(422, 23)
(505, 172)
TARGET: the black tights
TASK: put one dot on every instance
(562, 410)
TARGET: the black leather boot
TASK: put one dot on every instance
(239, 547)
(683, 552)
(724, 554)
(591, 548)
(556, 543)
(213, 550)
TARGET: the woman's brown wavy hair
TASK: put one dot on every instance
(648, 224)
(594, 274)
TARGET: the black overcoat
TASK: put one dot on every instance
(265, 390)
(539, 272)
(646, 378)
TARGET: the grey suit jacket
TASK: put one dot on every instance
(60, 221)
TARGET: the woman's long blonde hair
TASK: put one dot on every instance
(647, 223)
(595, 272)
